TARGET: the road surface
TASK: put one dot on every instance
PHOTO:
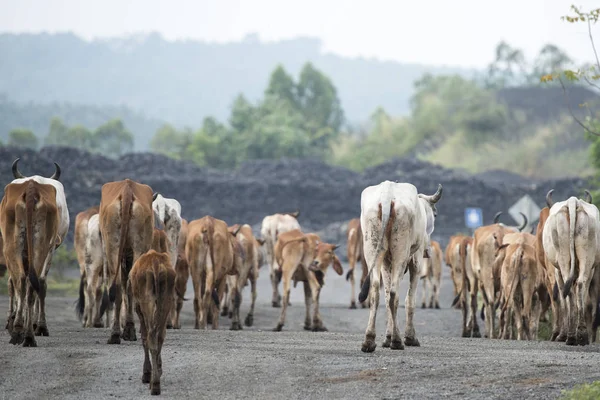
(76, 363)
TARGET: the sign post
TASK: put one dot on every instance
(527, 206)
(473, 218)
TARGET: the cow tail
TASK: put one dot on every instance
(31, 199)
(210, 232)
(386, 207)
(572, 205)
(126, 203)
(351, 254)
(516, 264)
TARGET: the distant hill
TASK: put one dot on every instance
(36, 116)
(184, 81)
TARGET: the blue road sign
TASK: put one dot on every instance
(473, 217)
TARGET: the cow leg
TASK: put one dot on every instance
(410, 338)
(389, 328)
(365, 271)
(519, 320)
(17, 334)
(556, 317)
(315, 288)
(369, 344)
(563, 307)
(465, 304)
(236, 295)
(583, 297)
(424, 301)
(536, 315)
(275, 277)
(115, 336)
(11, 305)
(198, 296)
(288, 272)
(129, 329)
(474, 326)
(250, 317)
(41, 328)
(226, 300)
(350, 277)
(29, 340)
(147, 368)
(307, 303)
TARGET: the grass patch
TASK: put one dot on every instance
(588, 391)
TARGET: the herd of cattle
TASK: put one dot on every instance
(136, 253)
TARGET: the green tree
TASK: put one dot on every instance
(80, 137)
(508, 68)
(550, 59)
(242, 114)
(23, 138)
(319, 103)
(170, 142)
(57, 134)
(282, 87)
(112, 138)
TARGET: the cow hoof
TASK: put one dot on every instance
(396, 345)
(476, 334)
(430, 305)
(562, 337)
(319, 328)
(34, 326)
(582, 338)
(155, 389)
(98, 325)
(437, 306)
(423, 305)
(115, 338)
(466, 334)
(363, 305)
(29, 341)
(249, 321)
(368, 346)
(41, 331)
(17, 338)
(235, 326)
(554, 336)
(411, 342)
(169, 326)
(571, 341)
(276, 304)
(129, 333)
(387, 342)
(146, 377)
(278, 328)
(177, 326)
(224, 312)
(230, 314)
(307, 327)
(353, 305)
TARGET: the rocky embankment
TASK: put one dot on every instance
(327, 196)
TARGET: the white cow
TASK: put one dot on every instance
(272, 227)
(397, 223)
(95, 269)
(168, 213)
(571, 239)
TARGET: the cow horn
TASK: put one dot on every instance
(15, 170)
(588, 196)
(57, 171)
(237, 230)
(434, 198)
(154, 196)
(295, 214)
(549, 201)
(335, 246)
(497, 217)
(524, 222)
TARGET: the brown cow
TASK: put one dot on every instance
(81, 233)
(355, 253)
(29, 221)
(431, 274)
(126, 226)
(519, 279)
(303, 257)
(152, 283)
(182, 273)
(454, 262)
(210, 253)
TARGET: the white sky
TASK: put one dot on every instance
(449, 32)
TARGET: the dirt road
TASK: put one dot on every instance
(76, 363)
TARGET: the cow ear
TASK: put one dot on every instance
(337, 266)
(334, 247)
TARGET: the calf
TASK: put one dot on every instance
(272, 227)
(355, 254)
(303, 257)
(397, 224)
(431, 274)
(152, 285)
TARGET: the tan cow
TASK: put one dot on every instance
(152, 285)
(210, 253)
(468, 285)
(29, 223)
(519, 279)
(355, 254)
(81, 233)
(571, 240)
(126, 226)
(303, 257)
(454, 262)
(272, 227)
(486, 241)
(34, 220)
(431, 274)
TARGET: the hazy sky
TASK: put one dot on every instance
(451, 32)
